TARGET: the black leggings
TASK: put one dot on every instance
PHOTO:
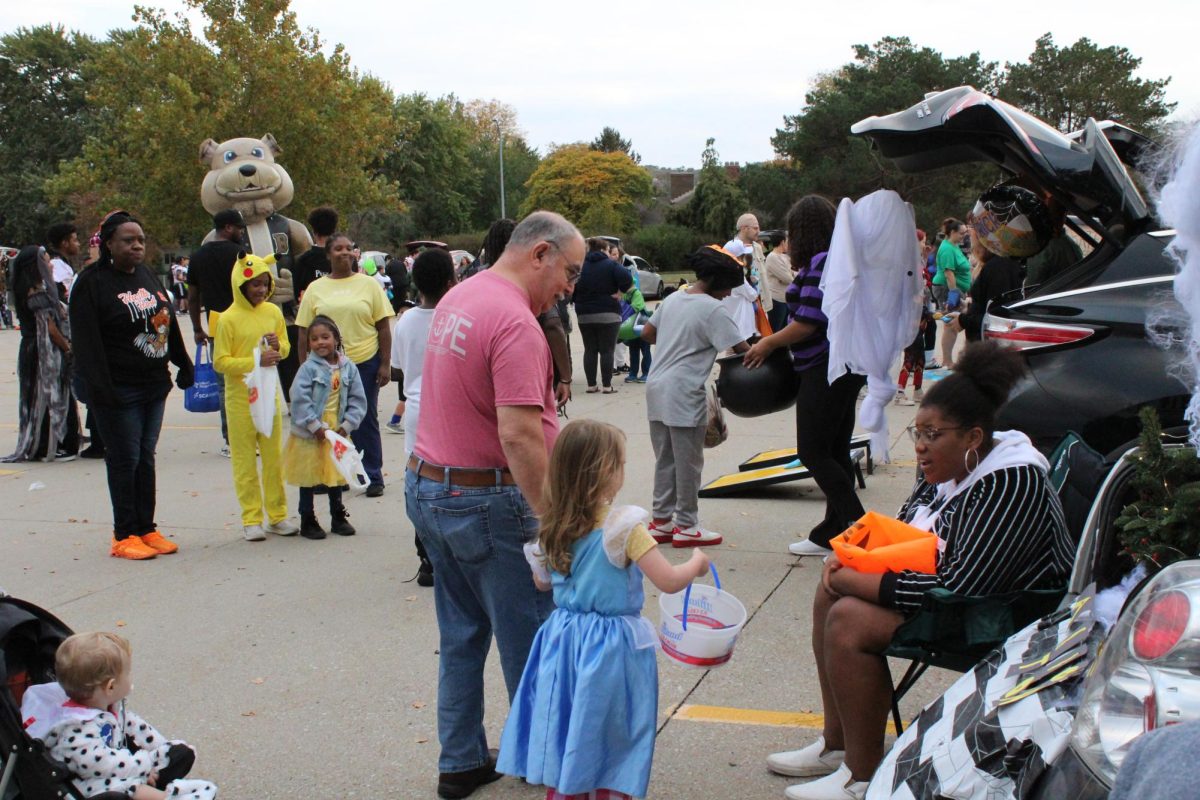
(824, 426)
(306, 499)
(599, 341)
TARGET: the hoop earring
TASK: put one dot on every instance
(966, 460)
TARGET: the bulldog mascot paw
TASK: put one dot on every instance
(243, 175)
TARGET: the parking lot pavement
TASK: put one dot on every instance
(301, 668)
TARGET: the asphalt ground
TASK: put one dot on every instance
(309, 669)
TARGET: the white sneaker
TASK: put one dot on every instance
(806, 547)
(225, 451)
(918, 395)
(694, 536)
(807, 762)
(902, 400)
(253, 533)
(838, 786)
(285, 527)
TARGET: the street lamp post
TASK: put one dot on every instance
(502, 208)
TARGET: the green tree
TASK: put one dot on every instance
(44, 119)
(716, 202)
(1065, 85)
(885, 77)
(599, 192)
(770, 188)
(520, 162)
(431, 163)
(161, 90)
(610, 141)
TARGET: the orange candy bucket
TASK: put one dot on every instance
(877, 543)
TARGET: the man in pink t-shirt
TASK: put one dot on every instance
(474, 482)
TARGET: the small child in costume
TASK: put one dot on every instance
(252, 323)
(689, 328)
(432, 275)
(914, 362)
(584, 716)
(327, 394)
(83, 721)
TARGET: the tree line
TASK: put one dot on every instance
(89, 125)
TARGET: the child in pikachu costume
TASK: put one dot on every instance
(251, 323)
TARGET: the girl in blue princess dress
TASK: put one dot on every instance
(583, 719)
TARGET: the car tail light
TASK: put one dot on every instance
(1031, 335)
(1161, 625)
(1147, 674)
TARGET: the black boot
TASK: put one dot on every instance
(425, 573)
(310, 528)
(339, 522)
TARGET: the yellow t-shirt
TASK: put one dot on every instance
(355, 304)
(333, 402)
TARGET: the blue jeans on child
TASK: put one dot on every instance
(639, 356)
(474, 537)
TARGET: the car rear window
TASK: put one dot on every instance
(1144, 257)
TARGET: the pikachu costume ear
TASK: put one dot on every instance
(270, 260)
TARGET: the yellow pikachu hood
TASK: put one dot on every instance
(246, 268)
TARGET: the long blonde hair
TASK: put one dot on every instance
(584, 465)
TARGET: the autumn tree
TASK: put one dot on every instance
(44, 119)
(610, 141)
(162, 90)
(430, 163)
(490, 118)
(716, 202)
(1063, 86)
(600, 192)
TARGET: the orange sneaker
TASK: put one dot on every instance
(132, 548)
(159, 543)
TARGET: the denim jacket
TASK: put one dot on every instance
(310, 392)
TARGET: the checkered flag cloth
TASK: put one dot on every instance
(966, 745)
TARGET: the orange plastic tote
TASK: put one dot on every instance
(877, 543)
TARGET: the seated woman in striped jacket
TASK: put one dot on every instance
(987, 496)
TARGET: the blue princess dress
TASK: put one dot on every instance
(585, 713)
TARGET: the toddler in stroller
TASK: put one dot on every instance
(78, 739)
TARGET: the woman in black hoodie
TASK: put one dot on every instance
(598, 308)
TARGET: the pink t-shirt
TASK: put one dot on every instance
(485, 349)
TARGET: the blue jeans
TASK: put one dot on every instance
(474, 537)
(130, 432)
(366, 435)
(639, 355)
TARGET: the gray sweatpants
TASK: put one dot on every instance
(678, 462)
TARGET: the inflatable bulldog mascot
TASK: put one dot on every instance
(243, 175)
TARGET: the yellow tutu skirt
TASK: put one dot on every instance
(306, 462)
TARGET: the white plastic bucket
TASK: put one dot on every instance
(704, 636)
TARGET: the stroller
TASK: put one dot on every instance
(29, 638)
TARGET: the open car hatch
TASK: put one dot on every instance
(963, 125)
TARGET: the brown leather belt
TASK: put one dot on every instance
(461, 476)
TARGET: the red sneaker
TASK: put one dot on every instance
(695, 537)
(663, 530)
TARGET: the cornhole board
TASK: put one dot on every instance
(777, 458)
(749, 479)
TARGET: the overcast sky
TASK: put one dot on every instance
(670, 73)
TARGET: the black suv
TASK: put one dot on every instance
(1083, 332)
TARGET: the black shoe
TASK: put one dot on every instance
(92, 451)
(453, 785)
(310, 528)
(375, 490)
(339, 524)
(63, 455)
(425, 573)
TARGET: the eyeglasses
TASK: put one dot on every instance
(929, 435)
(574, 271)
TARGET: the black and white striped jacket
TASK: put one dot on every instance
(1005, 533)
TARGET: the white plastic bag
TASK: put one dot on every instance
(262, 385)
(348, 461)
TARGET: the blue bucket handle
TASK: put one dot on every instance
(687, 593)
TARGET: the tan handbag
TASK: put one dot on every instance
(717, 431)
